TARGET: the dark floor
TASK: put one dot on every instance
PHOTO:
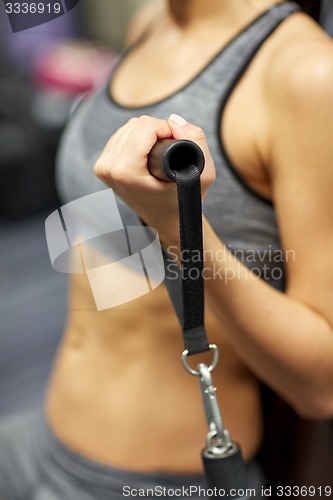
(32, 313)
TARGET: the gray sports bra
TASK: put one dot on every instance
(244, 220)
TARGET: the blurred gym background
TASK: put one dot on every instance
(43, 71)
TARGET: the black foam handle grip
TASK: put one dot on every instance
(225, 472)
(170, 155)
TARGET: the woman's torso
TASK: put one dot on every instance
(119, 393)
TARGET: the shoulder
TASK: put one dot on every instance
(300, 75)
(142, 19)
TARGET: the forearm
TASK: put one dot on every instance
(286, 343)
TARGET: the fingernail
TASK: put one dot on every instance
(177, 119)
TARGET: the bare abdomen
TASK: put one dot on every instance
(119, 394)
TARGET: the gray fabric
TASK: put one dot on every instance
(245, 222)
(326, 16)
(35, 465)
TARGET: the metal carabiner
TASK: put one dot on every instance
(218, 438)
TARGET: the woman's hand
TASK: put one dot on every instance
(123, 167)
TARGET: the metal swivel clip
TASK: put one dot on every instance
(218, 440)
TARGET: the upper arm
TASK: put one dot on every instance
(142, 19)
(302, 177)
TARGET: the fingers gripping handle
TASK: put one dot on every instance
(170, 155)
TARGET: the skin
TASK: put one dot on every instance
(119, 394)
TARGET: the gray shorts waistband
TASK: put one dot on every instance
(91, 473)
(105, 482)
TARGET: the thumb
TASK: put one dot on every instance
(181, 129)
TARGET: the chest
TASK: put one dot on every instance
(145, 77)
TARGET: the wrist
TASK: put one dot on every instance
(170, 241)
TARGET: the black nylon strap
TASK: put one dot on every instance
(190, 225)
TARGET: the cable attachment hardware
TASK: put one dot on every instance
(183, 162)
(191, 371)
(218, 441)
(222, 458)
